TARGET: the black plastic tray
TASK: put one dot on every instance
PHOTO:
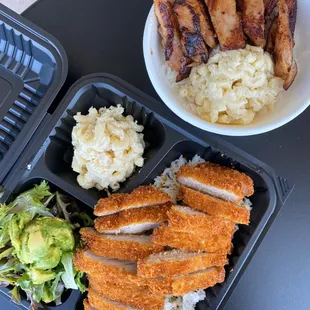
(48, 156)
(33, 68)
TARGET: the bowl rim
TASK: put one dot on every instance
(228, 130)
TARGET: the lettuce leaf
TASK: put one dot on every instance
(69, 274)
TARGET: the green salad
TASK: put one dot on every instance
(38, 237)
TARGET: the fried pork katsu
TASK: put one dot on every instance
(175, 262)
(185, 218)
(215, 206)
(192, 241)
(90, 263)
(253, 21)
(218, 181)
(87, 306)
(143, 196)
(129, 296)
(169, 31)
(133, 221)
(99, 302)
(123, 247)
(227, 23)
(182, 285)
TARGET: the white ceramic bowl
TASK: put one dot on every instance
(290, 104)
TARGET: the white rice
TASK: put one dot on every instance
(186, 302)
(167, 181)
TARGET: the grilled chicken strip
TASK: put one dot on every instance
(271, 39)
(185, 218)
(190, 20)
(283, 50)
(98, 302)
(129, 296)
(192, 241)
(291, 77)
(269, 6)
(182, 285)
(123, 247)
(133, 221)
(169, 31)
(227, 23)
(142, 196)
(175, 262)
(218, 181)
(198, 20)
(215, 206)
(253, 21)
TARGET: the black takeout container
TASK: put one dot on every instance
(36, 145)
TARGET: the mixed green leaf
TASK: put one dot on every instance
(38, 237)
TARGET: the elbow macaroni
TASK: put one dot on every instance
(233, 86)
(107, 147)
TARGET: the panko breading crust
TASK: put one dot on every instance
(178, 266)
(179, 286)
(154, 214)
(109, 205)
(189, 241)
(142, 196)
(99, 302)
(83, 262)
(102, 245)
(199, 222)
(220, 177)
(214, 206)
(86, 305)
(128, 296)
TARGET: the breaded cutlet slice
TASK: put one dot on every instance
(98, 302)
(87, 306)
(192, 241)
(123, 247)
(182, 285)
(128, 296)
(109, 205)
(133, 221)
(215, 206)
(108, 268)
(218, 181)
(175, 262)
(185, 218)
(143, 196)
